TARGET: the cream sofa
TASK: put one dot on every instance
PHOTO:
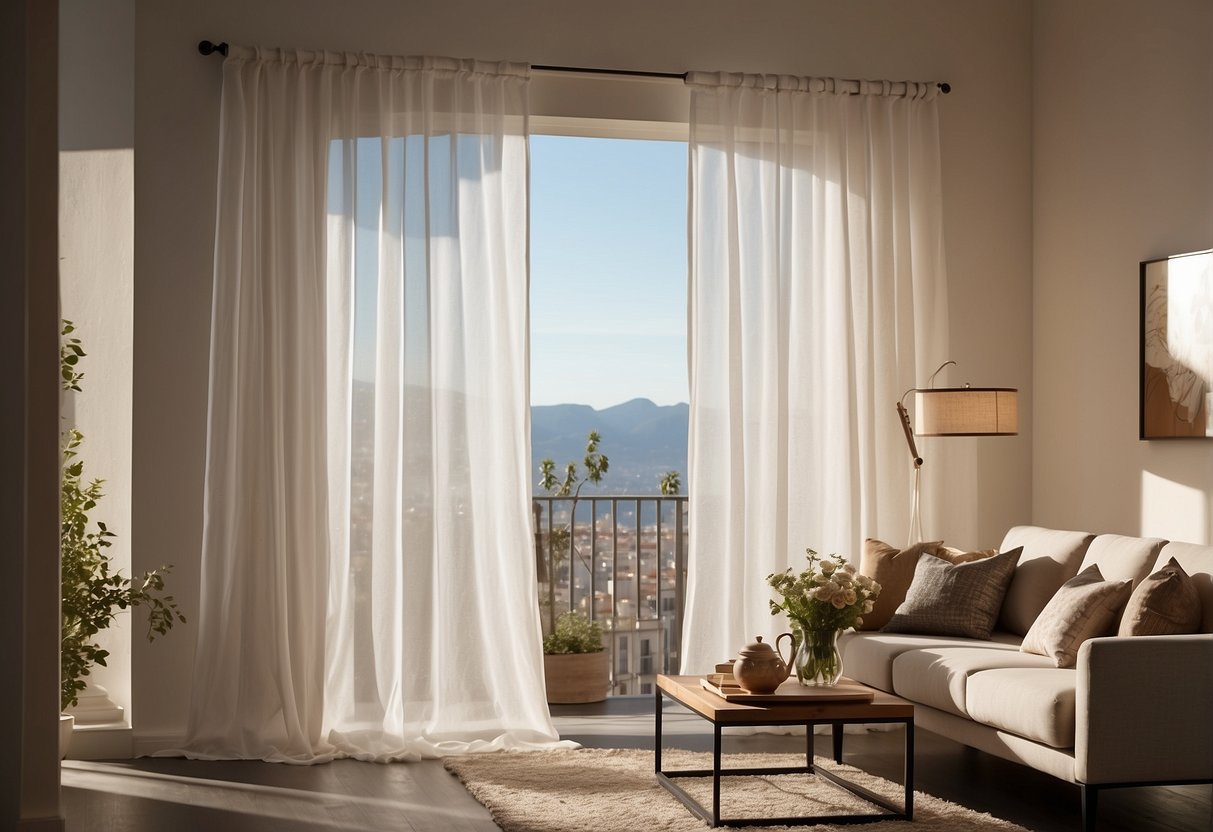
(1135, 711)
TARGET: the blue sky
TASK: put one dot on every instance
(608, 271)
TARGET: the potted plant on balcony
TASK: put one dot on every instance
(560, 543)
(91, 594)
(575, 665)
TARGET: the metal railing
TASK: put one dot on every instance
(621, 561)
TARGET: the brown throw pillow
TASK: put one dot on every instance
(953, 555)
(1082, 608)
(893, 569)
(1164, 604)
(960, 599)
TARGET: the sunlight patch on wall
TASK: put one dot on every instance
(1172, 510)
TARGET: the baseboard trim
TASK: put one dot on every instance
(102, 742)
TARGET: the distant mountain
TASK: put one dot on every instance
(641, 439)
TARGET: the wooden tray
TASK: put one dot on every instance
(792, 692)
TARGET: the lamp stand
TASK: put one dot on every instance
(915, 511)
(915, 507)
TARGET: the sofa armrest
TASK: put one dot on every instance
(1144, 710)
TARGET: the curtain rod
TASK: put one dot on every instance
(207, 48)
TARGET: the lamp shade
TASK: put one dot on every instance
(966, 411)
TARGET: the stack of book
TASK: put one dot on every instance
(723, 679)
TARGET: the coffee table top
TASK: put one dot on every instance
(688, 691)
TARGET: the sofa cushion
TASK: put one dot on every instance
(938, 676)
(1034, 702)
(1083, 608)
(961, 599)
(1197, 561)
(1122, 558)
(1050, 558)
(893, 569)
(868, 657)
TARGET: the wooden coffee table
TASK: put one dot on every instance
(884, 707)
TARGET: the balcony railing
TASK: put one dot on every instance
(621, 561)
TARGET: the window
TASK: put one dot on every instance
(608, 305)
(608, 354)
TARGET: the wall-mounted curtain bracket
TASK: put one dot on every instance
(205, 47)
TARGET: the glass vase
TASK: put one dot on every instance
(819, 664)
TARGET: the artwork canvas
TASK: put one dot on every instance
(1177, 347)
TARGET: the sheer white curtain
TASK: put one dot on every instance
(817, 298)
(368, 579)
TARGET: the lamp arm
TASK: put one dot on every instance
(905, 426)
(931, 380)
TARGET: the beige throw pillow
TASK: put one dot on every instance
(960, 599)
(1164, 604)
(1082, 608)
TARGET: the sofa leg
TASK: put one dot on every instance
(1090, 806)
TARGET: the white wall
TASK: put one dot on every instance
(1123, 108)
(982, 49)
(96, 249)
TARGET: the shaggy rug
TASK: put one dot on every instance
(614, 790)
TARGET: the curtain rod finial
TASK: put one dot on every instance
(205, 47)
(944, 87)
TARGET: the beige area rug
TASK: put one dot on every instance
(614, 790)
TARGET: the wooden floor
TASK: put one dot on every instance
(181, 796)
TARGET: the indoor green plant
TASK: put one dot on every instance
(575, 662)
(92, 592)
(822, 601)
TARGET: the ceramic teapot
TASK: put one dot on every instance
(760, 668)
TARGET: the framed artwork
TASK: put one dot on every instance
(1177, 347)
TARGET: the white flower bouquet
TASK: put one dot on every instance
(822, 601)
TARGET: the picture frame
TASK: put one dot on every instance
(1176, 364)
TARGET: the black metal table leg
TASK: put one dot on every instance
(715, 774)
(657, 735)
(808, 742)
(837, 732)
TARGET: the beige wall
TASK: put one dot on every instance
(983, 49)
(1123, 140)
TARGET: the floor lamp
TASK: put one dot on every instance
(954, 411)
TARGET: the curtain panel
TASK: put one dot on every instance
(368, 585)
(817, 297)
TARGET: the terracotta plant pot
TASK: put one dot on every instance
(576, 678)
